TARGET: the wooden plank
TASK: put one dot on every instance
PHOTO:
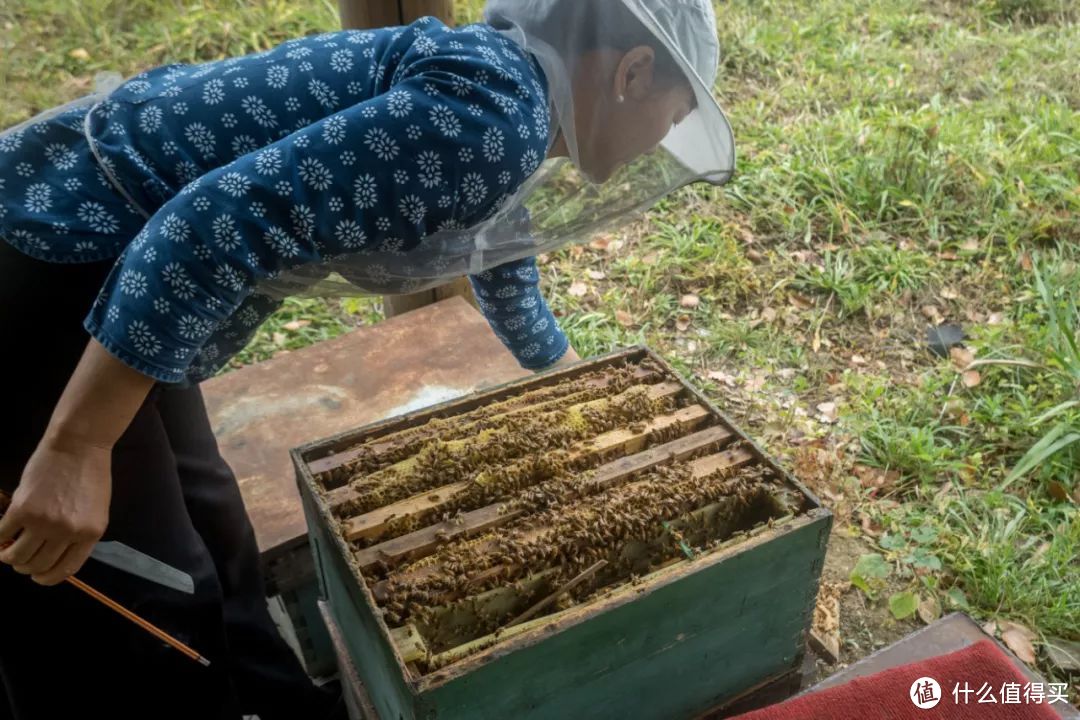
(373, 524)
(512, 405)
(423, 542)
(342, 496)
(675, 451)
(706, 466)
(409, 643)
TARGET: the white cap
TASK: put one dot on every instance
(703, 142)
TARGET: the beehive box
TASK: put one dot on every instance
(598, 541)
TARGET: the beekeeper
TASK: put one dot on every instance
(148, 231)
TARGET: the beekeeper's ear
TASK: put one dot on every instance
(636, 74)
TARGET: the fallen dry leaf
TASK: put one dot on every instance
(1016, 637)
(596, 274)
(970, 245)
(754, 256)
(578, 289)
(949, 294)
(1058, 491)
(682, 324)
(721, 377)
(929, 609)
(858, 360)
(930, 311)
(1020, 643)
(79, 54)
(995, 318)
(1025, 261)
(601, 242)
(971, 378)
(876, 480)
(650, 259)
(279, 338)
(294, 325)
(828, 412)
(624, 318)
(754, 382)
(689, 301)
(768, 314)
(961, 357)
(800, 301)
(869, 527)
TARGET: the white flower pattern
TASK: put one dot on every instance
(271, 169)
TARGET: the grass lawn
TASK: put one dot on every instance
(903, 163)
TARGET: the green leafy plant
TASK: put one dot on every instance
(1063, 359)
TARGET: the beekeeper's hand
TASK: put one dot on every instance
(60, 508)
(59, 511)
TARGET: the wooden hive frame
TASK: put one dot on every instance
(779, 560)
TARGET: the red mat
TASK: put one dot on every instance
(892, 694)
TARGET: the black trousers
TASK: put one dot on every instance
(63, 654)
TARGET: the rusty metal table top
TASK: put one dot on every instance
(261, 411)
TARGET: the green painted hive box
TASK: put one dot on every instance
(594, 542)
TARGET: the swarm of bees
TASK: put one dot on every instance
(499, 460)
(381, 452)
(571, 536)
(522, 458)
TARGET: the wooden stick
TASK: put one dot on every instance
(105, 600)
(582, 577)
(145, 625)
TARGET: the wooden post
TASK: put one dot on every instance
(360, 14)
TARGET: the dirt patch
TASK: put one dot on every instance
(865, 625)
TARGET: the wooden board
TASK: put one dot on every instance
(261, 411)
